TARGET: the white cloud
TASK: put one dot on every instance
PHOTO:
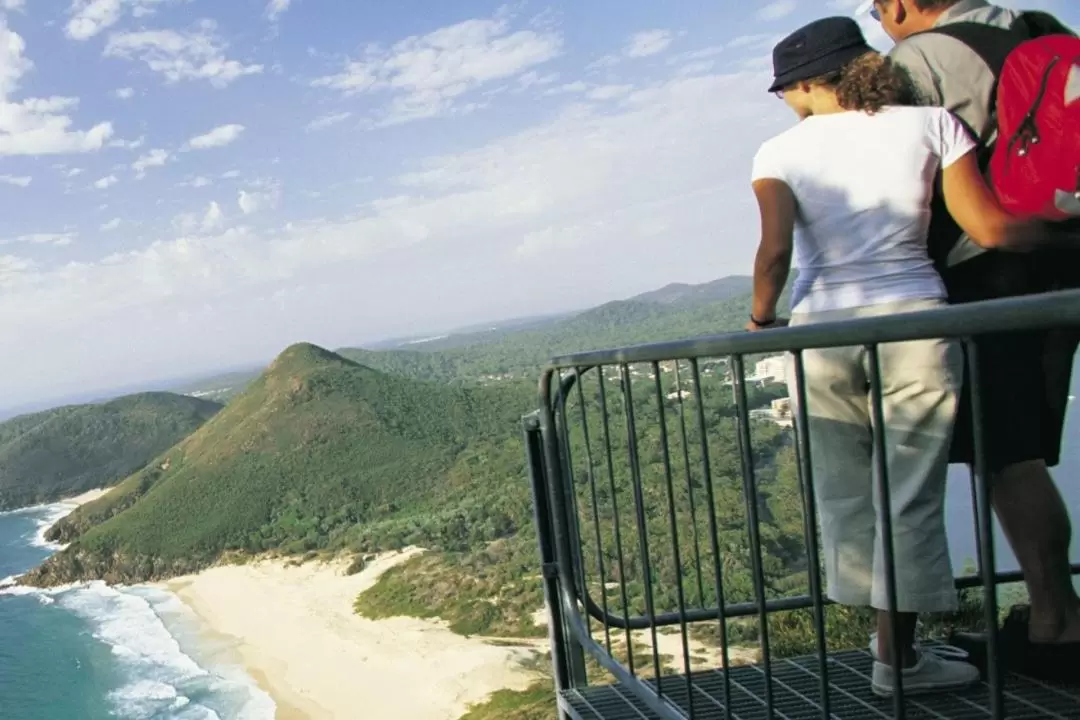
(198, 55)
(253, 201)
(230, 174)
(18, 181)
(531, 78)
(578, 86)
(106, 182)
(37, 126)
(155, 158)
(649, 42)
(777, 10)
(275, 8)
(128, 144)
(111, 225)
(213, 219)
(427, 75)
(196, 182)
(90, 17)
(74, 172)
(12, 4)
(609, 92)
(218, 137)
(57, 239)
(324, 121)
(124, 93)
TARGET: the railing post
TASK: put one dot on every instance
(542, 521)
(544, 445)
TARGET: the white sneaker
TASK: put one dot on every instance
(948, 652)
(931, 673)
(940, 667)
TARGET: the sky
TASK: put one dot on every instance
(191, 185)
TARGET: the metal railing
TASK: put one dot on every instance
(649, 510)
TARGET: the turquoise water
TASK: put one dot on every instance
(93, 652)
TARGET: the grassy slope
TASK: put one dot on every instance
(71, 449)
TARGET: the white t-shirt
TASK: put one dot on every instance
(863, 185)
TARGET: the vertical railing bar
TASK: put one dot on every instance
(689, 486)
(595, 503)
(643, 531)
(620, 559)
(714, 539)
(546, 544)
(885, 517)
(985, 534)
(562, 568)
(975, 514)
(806, 475)
(674, 527)
(750, 490)
(571, 489)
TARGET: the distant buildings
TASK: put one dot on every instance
(778, 412)
(770, 369)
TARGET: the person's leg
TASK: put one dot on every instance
(920, 385)
(1024, 381)
(840, 447)
(1036, 523)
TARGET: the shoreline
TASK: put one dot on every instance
(294, 631)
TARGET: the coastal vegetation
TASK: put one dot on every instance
(69, 450)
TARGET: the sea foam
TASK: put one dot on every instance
(165, 680)
(154, 640)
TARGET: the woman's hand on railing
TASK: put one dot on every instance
(753, 326)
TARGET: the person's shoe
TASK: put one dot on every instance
(1048, 662)
(931, 673)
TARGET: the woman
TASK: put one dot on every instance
(848, 190)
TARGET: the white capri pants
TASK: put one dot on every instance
(920, 383)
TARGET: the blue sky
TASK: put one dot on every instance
(195, 184)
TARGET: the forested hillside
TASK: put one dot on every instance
(68, 450)
(311, 456)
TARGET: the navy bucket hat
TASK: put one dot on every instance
(819, 48)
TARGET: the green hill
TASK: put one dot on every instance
(315, 448)
(517, 350)
(68, 450)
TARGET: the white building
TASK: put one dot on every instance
(770, 369)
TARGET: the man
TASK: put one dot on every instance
(1024, 378)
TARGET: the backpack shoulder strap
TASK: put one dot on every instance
(992, 44)
(1037, 23)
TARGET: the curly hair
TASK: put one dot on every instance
(870, 83)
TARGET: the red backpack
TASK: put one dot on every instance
(1034, 163)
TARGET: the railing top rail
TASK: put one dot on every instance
(1032, 312)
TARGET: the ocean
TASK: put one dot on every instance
(94, 652)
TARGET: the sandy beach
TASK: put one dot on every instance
(86, 497)
(295, 631)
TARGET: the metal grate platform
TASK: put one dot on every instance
(796, 696)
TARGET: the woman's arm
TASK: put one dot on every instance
(772, 264)
(972, 204)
